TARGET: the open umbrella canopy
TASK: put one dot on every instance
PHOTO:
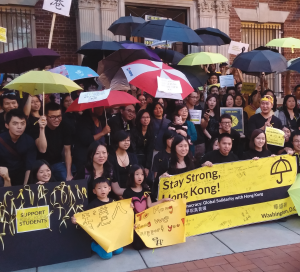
(213, 36)
(169, 56)
(294, 65)
(125, 25)
(202, 58)
(258, 61)
(98, 47)
(74, 72)
(167, 30)
(108, 99)
(285, 42)
(39, 82)
(25, 59)
(150, 52)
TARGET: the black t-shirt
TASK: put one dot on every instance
(257, 121)
(139, 199)
(235, 139)
(213, 124)
(251, 153)
(97, 203)
(177, 171)
(161, 161)
(216, 157)
(2, 123)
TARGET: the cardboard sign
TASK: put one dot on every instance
(233, 194)
(87, 97)
(32, 219)
(58, 6)
(168, 85)
(226, 81)
(236, 48)
(195, 116)
(103, 224)
(163, 224)
(3, 37)
(248, 88)
(237, 117)
(275, 136)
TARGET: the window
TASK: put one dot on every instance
(20, 26)
(257, 35)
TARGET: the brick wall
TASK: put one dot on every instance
(64, 40)
(290, 28)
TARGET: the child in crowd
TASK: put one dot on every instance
(178, 124)
(137, 189)
(101, 188)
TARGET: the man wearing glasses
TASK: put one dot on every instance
(59, 138)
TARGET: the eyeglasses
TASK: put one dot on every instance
(53, 117)
(131, 111)
(296, 142)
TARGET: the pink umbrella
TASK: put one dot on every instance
(158, 79)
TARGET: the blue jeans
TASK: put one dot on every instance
(59, 171)
(102, 253)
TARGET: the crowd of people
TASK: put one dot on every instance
(124, 152)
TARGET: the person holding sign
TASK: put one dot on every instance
(289, 115)
(222, 155)
(258, 146)
(101, 188)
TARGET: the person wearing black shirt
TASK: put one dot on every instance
(8, 101)
(17, 149)
(296, 148)
(258, 146)
(222, 155)
(226, 127)
(289, 115)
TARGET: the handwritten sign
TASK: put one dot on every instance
(248, 88)
(195, 116)
(237, 117)
(233, 194)
(3, 37)
(274, 136)
(87, 97)
(226, 81)
(111, 225)
(236, 48)
(167, 85)
(32, 219)
(58, 6)
(163, 224)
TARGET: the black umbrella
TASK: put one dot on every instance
(167, 30)
(125, 25)
(195, 74)
(213, 36)
(169, 56)
(98, 47)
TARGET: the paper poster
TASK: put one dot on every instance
(237, 117)
(163, 224)
(195, 116)
(236, 48)
(274, 136)
(248, 88)
(32, 219)
(168, 85)
(58, 6)
(226, 81)
(111, 225)
(87, 97)
(3, 37)
(233, 194)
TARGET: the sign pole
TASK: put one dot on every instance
(52, 29)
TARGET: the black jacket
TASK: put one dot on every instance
(116, 123)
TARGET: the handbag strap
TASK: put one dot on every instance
(9, 149)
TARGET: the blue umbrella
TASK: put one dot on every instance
(74, 72)
(125, 25)
(169, 56)
(258, 61)
(150, 52)
(295, 65)
(167, 30)
(213, 36)
(93, 47)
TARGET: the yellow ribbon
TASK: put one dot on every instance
(293, 49)
(79, 193)
(2, 212)
(2, 234)
(66, 217)
(31, 194)
(72, 200)
(8, 193)
(21, 194)
(22, 205)
(63, 193)
(84, 192)
(60, 208)
(79, 207)
(146, 194)
(49, 217)
(42, 191)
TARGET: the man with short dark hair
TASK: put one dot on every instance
(8, 101)
(222, 155)
(17, 149)
(213, 79)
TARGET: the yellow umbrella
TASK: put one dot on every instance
(42, 82)
(202, 58)
(285, 42)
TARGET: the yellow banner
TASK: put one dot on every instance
(111, 225)
(31, 219)
(275, 136)
(3, 35)
(248, 88)
(163, 224)
(233, 194)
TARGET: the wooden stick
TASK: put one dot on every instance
(51, 31)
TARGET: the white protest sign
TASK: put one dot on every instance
(226, 81)
(236, 48)
(167, 85)
(195, 116)
(58, 6)
(88, 97)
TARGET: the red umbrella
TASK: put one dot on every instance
(114, 98)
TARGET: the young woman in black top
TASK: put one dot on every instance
(258, 146)
(41, 173)
(228, 101)
(289, 114)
